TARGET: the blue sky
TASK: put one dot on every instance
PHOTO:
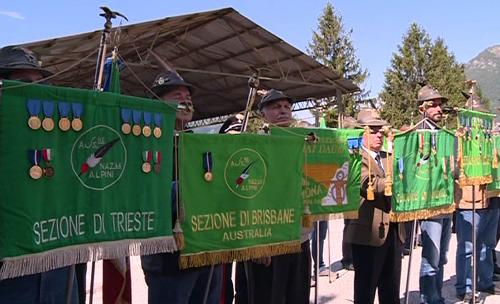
(467, 27)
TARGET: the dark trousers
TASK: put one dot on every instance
(346, 247)
(286, 280)
(378, 267)
(495, 203)
(323, 228)
(227, 289)
(241, 288)
(81, 281)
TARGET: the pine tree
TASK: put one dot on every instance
(332, 46)
(420, 61)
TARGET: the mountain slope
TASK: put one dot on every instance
(485, 68)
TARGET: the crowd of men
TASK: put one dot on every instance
(373, 244)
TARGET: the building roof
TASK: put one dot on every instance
(216, 51)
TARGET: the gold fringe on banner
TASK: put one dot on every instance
(492, 193)
(422, 214)
(351, 215)
(76, 254)
(348, 215)
(474, 181)
(228, 256)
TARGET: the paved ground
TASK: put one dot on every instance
(330, 290)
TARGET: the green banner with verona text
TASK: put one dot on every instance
(332, 171)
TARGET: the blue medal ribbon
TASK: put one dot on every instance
(401, 167)
(33, 106)
(48, 108)
(125, 113)
(157, 120)
(207, 161)
(136, 116)
(34, 156)
(147, 118)
(63, 108)
(77, 109)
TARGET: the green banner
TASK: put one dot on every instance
(423, 164)
(494, 186)
(74, 187)
(332, 172)
(475, 147)
(240, 195)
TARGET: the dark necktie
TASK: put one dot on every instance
(379, 163)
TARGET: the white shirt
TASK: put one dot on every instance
(375, 156)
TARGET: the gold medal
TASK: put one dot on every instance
(36, 172)
(208, 176)
(34, 122)
(64, 124)
(126, 128)
(146, 131)
(146, 167)
(136, 130)
(157, 132)
(48, 171)
(48, 124)
(76, 124)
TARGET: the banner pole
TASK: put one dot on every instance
(329, 255)
(316, 275)
(412, 240)
(99, 70)
(474, 244)
(253, 84)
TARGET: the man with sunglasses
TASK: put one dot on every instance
(166, 282)
(19, 63)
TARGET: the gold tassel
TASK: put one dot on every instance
(307, 217)
(388, 186)
(178, 235)
(370, 194)
(388, 162)
(495, 158)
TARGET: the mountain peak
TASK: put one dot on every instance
(485, 68)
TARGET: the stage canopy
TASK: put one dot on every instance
(216, 50)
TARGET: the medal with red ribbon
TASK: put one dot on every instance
(146, 165)
(157, 161)
(48, 170)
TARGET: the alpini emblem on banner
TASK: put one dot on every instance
(245, 173)
(99, 157)
(337, 192)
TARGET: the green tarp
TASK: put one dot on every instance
(98, 203)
